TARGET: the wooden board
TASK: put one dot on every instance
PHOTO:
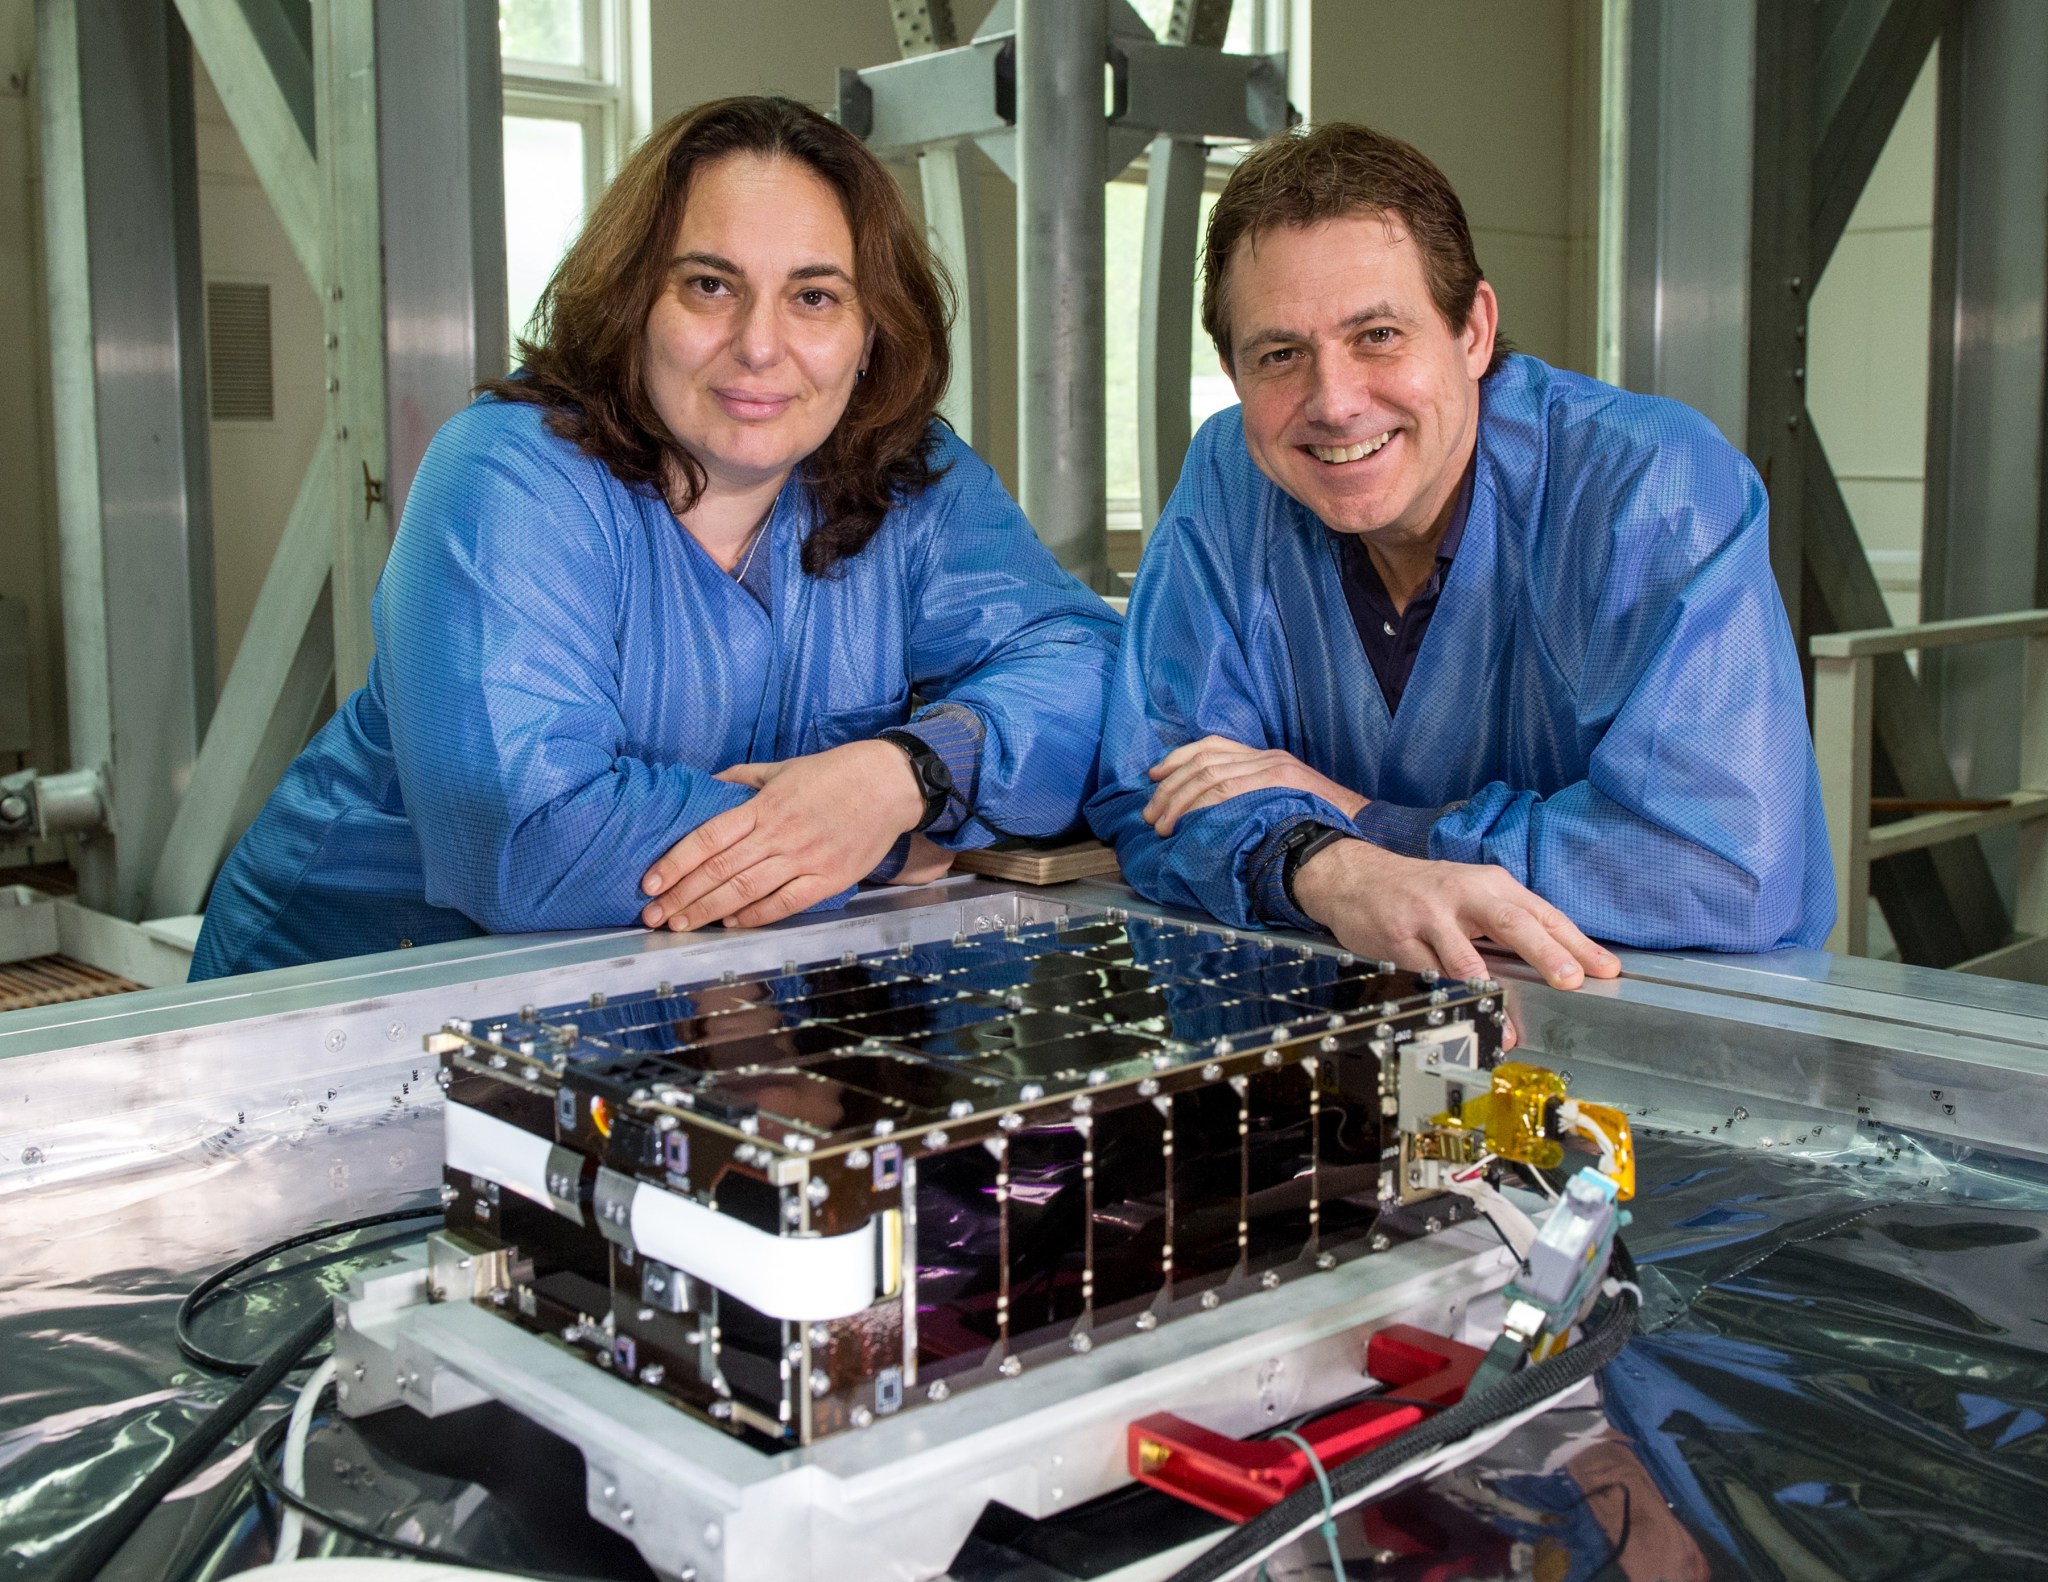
(1026, 864)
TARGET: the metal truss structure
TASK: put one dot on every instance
(333, 102)
(1740, 135)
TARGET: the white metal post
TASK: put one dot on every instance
(1842, 690)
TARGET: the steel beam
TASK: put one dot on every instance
(1166, 308)
(1061, 149)
(1868, 56)
(1983, 549)
(1780, 276)
(120, 192)
(1166, 301)
(1685, 330)
(265, 713)
(271, 118)
(438, 87)
(345, 85)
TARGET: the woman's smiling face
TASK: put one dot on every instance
(754, 345)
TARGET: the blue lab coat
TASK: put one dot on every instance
(561, 669)
(1607, 703)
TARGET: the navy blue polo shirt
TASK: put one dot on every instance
(1392, 639)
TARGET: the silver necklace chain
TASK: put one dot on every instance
(753, 543)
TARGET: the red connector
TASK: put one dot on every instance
(1238, 1478)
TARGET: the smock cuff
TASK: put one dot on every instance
(956, 733)
(1266, 876)
(1403, 831)
(892, 861)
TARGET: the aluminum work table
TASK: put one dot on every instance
(148, 1138)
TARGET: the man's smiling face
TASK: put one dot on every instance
(1359, 400)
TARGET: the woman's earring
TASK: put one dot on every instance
(862, 374)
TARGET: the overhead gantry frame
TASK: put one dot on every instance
(1011, 89)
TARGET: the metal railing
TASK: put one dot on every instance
(1844, 672)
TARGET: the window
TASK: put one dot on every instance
(1256, 27)
(565, 129)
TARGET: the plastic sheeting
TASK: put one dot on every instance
(1844, 1374)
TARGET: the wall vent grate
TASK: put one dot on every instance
(238, 373)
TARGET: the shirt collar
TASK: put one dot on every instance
(1454, 531)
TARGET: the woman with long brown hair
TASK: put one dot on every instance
(703, 615)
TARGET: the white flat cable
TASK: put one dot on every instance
(795, 1277)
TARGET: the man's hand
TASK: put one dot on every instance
(1215, 769)
(1426, 914)
(818, 824)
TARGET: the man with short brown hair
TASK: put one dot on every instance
(1436, 643)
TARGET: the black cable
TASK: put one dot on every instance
(267, 1444)
(1518, 1392)
(104, 1539)
(203, 1295)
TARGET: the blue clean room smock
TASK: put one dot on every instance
(561, 669)
(1607, 704)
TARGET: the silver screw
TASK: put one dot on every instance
(1270, 1279)
(938, 1391)
(1081, 1343)
(1381, 1241)
(1010, 1367)
(1326, 1260)
(336, 1039)
(1148, 1321)
(31, 1156)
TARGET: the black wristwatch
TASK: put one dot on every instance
(1297, 846)
(934, 779)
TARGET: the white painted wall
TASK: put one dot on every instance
(1866, 371)
(1504, 96)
